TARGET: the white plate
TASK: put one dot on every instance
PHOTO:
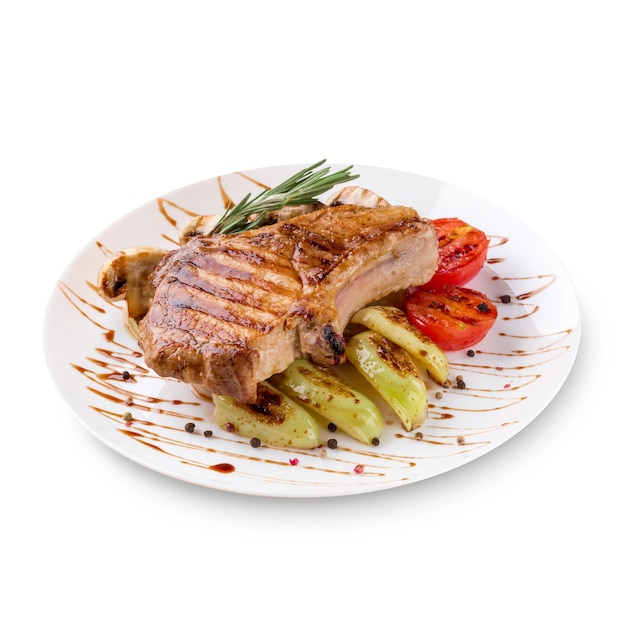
(516, 372)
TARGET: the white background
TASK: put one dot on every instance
(105, 106)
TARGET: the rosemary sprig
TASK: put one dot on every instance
(302, 188)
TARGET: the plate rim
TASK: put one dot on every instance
(225, 485)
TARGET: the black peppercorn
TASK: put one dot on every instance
(190, 427)
(332, 443)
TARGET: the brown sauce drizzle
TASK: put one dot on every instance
(109, 336)
(113, 373)
(258, 183)
(164, 207)
(548, 279)
(222, 468)
(171, 240)
(106, 251)
(227, 201)
(121, 395)
(122, 360)
(72, 297)
(496, 241)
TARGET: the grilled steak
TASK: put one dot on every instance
(231, 310)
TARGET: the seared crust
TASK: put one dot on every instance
(229, 311)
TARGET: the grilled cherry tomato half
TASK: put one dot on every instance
(454, 317)
(462, 252)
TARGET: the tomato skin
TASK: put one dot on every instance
(454, 317)
(462, 252)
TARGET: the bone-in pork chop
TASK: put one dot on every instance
(229, 311)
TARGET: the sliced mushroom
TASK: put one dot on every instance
(199, 226)
(358, 196)
(126, 275)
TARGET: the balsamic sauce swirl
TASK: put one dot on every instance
(121, 386)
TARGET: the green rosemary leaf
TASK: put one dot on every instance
(304, 187)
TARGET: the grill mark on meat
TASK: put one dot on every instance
(314, 251)
(207, 296)
(316, 255)
(216, 310)
(235, 287)
(202, 329)
(238, 264)
(207, 249)
(231, 310)
(314, 241)
(212, 308)
(224, 286)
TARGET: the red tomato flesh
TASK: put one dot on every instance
(462, 252)
(454, 317)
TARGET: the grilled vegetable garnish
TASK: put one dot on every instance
(333, 398)
(126, 275)
(394, 324)
(393, 373)
(274, 419)
(456, 318)
(462, 252)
